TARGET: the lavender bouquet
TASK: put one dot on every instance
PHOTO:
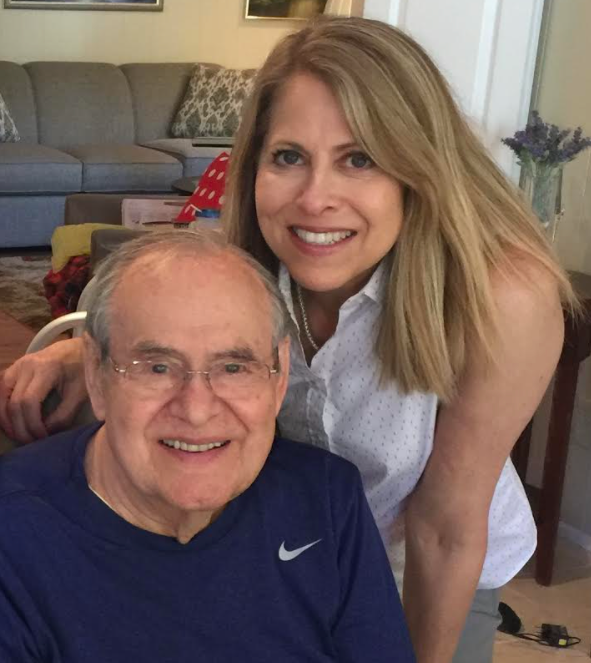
(542, 150)
(545, 144)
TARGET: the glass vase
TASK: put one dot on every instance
(542, 184)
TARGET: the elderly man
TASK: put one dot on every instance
(179, 529)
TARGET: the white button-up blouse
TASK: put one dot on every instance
(337, 403)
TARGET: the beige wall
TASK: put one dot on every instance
(565, 99)
(187, 30)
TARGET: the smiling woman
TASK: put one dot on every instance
(138, 5)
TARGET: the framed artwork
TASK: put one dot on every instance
(284, 9)
(136, 5)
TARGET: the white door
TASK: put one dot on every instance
(487, 50)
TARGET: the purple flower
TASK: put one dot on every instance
(545, 143)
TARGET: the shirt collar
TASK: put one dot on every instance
(376, 286)
(284, 283)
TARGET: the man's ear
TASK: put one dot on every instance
(283, 366)
(94, 375)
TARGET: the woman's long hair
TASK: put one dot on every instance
(462, 218)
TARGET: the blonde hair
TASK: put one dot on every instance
(462, 218)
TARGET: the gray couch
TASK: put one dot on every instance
(88, 127)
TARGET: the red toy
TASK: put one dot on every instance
(209, 193)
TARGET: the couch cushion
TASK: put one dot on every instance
(37, 169)
(125, 168)
(16, 88)
(81, 102)
(194, 159)
(29, 220)
(8, 130)
(213, 103)
(157, 91)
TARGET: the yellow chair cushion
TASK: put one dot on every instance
(70, 241)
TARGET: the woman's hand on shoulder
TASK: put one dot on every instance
(26, 384)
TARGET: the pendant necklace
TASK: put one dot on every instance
(305, 318)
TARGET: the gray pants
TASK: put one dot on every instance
(478, 637)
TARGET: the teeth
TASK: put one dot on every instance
(322, 238)
(193, 448)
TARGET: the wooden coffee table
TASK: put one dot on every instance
(14, 339)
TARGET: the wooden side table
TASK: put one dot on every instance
(576, 348)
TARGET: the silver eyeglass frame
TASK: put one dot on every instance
(187, 374)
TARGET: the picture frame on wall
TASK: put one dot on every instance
(291, 10)
(129, 5)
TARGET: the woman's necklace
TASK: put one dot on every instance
(305, 318)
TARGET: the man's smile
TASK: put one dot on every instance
(193, 448)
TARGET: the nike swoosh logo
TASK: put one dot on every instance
(288, 555)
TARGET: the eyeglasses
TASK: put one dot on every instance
(227, 380)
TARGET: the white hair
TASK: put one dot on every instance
(166, 245)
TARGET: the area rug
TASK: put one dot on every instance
(21, 289)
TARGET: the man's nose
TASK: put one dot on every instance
(195, 401)
(319, 190)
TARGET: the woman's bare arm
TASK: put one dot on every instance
(447, 517)
(27, 383)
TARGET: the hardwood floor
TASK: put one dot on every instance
(14, 339)
(567, 601)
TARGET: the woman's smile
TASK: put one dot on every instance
(321, 237)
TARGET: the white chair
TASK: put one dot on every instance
(46, 335)
(71, 321)
(43, 338)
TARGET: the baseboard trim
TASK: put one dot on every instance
(575, 535)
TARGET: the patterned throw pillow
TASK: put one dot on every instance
(8, 131)
(213, 102)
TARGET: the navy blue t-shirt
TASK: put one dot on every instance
(79, 584)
